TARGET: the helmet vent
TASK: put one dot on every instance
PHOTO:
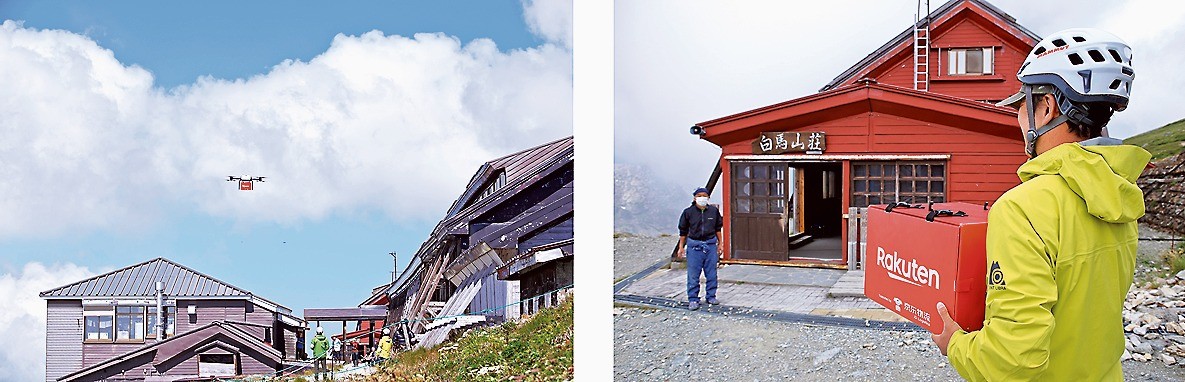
(1127, 71)
(1075, 59)
(1059, 43)
(1096, 55)
(1039, 50)
(1115, 55)
(1115, 84)
(1079, 39)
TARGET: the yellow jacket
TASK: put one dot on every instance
(385, 347)
(1061, 250)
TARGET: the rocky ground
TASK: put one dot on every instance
(632, 254)
(661, 345)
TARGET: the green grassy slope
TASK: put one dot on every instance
(1163, 142)
(538, 349)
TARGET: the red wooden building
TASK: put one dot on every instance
(896, 126)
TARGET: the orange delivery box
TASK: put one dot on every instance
(918, 255)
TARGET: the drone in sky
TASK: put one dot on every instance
(246, 183)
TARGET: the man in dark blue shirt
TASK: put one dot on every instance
(699, 232)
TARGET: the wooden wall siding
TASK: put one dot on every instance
(209, 311)
(251, 363)
(136, 367)
(967, 33)
(558, 231)
(494, 294)
(63, 338)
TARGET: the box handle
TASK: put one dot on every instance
(891, 206)
(936, 213)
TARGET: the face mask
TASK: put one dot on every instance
(702, 201)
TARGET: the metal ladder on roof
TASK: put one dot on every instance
(921, 47)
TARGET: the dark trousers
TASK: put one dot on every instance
(701, 258)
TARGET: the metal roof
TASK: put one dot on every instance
(522, 169)
(140, 281)
(907, 34)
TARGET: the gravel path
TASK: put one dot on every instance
(665, 345)
(632, 254)
(675, 345)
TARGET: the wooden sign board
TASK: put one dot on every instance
(810, 142)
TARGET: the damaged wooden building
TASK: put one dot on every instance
(162, 321)
(503, 249)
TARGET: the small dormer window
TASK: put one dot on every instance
(970, 61)
(493, 185)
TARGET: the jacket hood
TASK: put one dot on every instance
(1103, 176)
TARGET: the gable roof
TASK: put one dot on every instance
(904, 40)
(202, 337)
(139, 280)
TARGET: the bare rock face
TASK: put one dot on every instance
(1154, 322)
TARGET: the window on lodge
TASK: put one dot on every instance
(124, 323)
(973, 61)
(898, 181)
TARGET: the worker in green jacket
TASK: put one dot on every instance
(320, 348)
(1061, 246)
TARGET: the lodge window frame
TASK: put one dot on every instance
(97, 315)
(754, 188)
(862, 194)
(953, 57)
(113, 314)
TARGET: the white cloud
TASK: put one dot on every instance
(376, 122)
(22, 317)
(550, 19)
(679, 63)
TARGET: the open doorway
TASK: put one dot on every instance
(785, 211)
(818, 201)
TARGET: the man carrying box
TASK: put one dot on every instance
(1061, 245)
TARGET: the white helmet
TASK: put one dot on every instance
(1086, 64)
(386, 331)
(320, 330)
(1078, 66)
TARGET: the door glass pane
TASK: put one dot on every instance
(874, 199)
(874, 186)
(859, 170)
(780, 173)
(760, 206)
(746, 189)
(761, 172)
(936, 186)
(874, 170)
(742, 172)
(779, 189)
(923, 170)
(906, 186)
(777, 206)
(937, 170)
(890, 171)
(743, 205)
(890, 186)
(859, 201)
(860, 185)
(907, 170)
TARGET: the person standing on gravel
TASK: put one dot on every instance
(1061, 246)
(699, 233)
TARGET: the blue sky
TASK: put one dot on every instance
(179, 41)
(367, 117)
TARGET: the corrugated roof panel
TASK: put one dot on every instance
(140, 280)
